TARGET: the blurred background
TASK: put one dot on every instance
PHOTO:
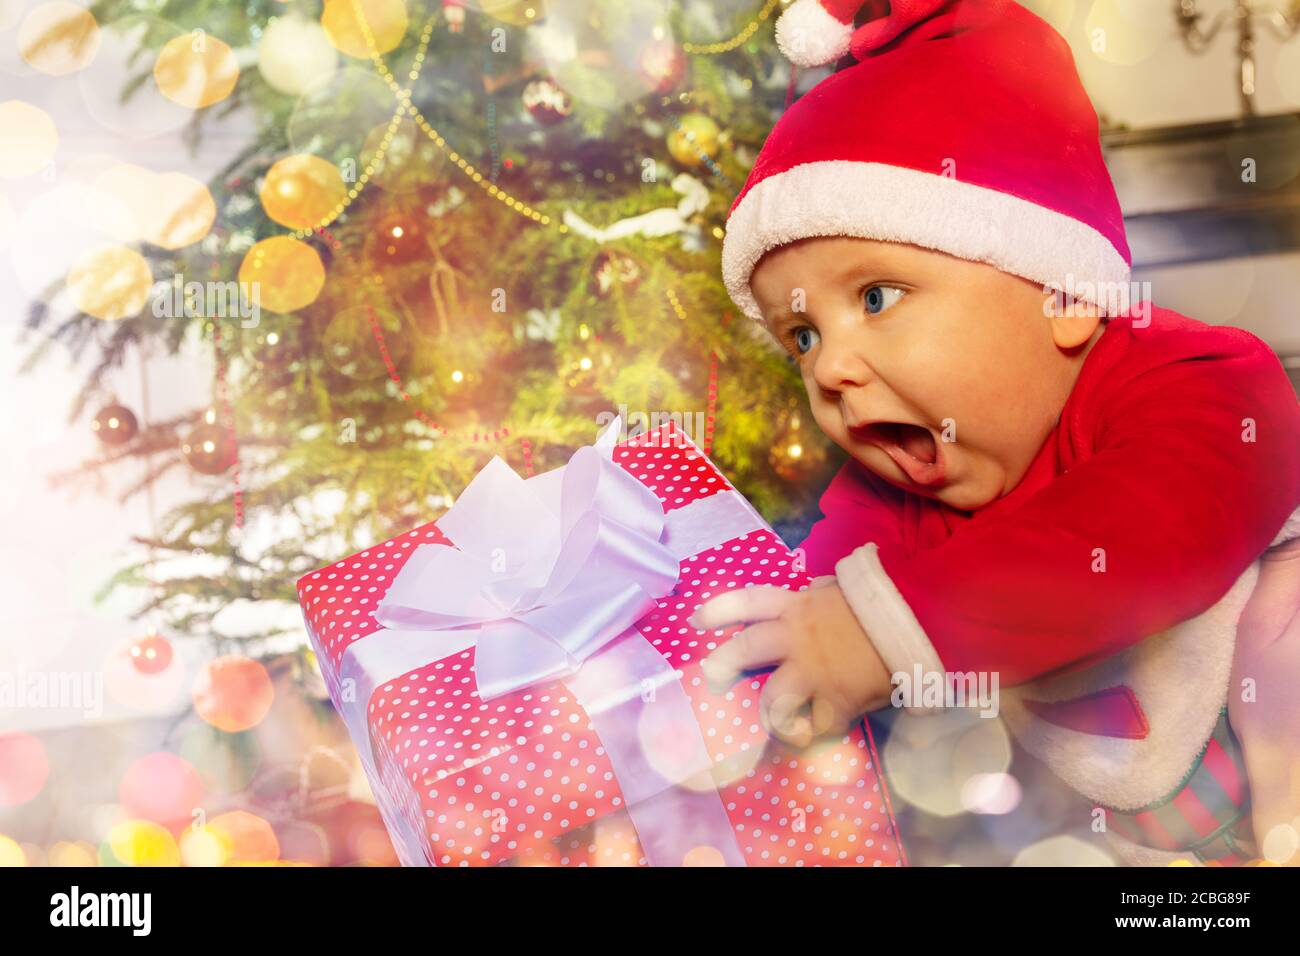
(474, 227)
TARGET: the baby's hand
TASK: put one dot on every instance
(827, 671)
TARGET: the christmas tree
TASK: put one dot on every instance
(459, 231)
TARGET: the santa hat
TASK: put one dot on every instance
(964, 128)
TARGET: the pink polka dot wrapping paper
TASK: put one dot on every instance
(524, 779)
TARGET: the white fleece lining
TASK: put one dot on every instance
(1290, 530)
(883, 613)
(809, 36)
(1180, 678)
(891, 203)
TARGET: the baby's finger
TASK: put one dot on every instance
(783, 706)
(762, 602)
(759, 646)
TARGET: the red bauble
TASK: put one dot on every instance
(115, 425)
(546, 102)
(151, 654)
(663, 64)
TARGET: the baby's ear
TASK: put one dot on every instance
(1073, 320)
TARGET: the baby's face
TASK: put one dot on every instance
(941, 375)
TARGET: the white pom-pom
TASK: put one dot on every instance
(809, 36)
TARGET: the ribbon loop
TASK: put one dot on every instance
(545, 575)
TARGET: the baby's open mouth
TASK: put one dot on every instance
(912, 448)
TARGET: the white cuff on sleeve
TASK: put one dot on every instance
(883, 613)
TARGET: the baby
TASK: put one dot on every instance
(1048, 481)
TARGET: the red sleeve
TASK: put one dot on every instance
(1176, 498)
(858, 506)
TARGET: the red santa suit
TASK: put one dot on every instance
(1104, 590)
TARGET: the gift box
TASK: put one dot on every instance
(524, 689)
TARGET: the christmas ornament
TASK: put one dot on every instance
(349, 341)
(454, 11)
(28, 139)
(58, 38)
(396, 240)
(208, 449)
(615, 268)
(296, 54)
(233, 693)
(196, 70)
(115, 425)
(519, 13)
(151, 654)
(111, 282)
(546, 102)
(656, 222)
(385, 19)
(288, 272)
(796, 455)
(303, 191)
(694, 139)
(663, 64)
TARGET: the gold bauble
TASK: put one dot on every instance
(695, 135)
(796, 454)
(303, 191)
(289, 274)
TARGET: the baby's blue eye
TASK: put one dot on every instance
(880, 297)
(804, 339)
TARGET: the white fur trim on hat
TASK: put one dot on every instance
(838, 197)
(809, 36)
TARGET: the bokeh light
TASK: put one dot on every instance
(1281, 844)
(28, 139)
(24, 768)
(66, 853)
(58, 38)
(295, 54)
(386, 20)
(929, 758)
(991, 793)
(161, 787)
(111, 282)
(302, 191)
(11, 854)
(1125, 32)
(201, 846)
(139, 843)
(196, 70)
(1062, 851)
(289, 273)
(246, 837)
(233, 693)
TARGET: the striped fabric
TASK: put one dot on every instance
(1207, 814)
